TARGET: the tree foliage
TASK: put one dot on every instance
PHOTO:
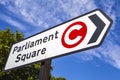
(59, 78)
(7, 39)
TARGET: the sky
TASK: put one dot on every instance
(31, 17)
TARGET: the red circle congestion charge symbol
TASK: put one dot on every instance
(74, 33)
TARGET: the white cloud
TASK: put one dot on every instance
(39, 13)
(32, 12)
(109, 53)
(112, 55)
(76, 7)
(16, 24)
(12, 22)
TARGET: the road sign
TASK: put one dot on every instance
(81, 33)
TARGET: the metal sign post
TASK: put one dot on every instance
(44, 73)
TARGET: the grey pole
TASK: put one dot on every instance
(44, 73)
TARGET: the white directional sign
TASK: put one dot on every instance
(81, 33)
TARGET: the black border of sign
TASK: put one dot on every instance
(111, 21)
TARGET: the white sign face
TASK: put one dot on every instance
(81, 33)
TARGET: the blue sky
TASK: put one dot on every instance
(30, 17)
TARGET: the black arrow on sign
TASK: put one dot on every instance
(100, 26)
